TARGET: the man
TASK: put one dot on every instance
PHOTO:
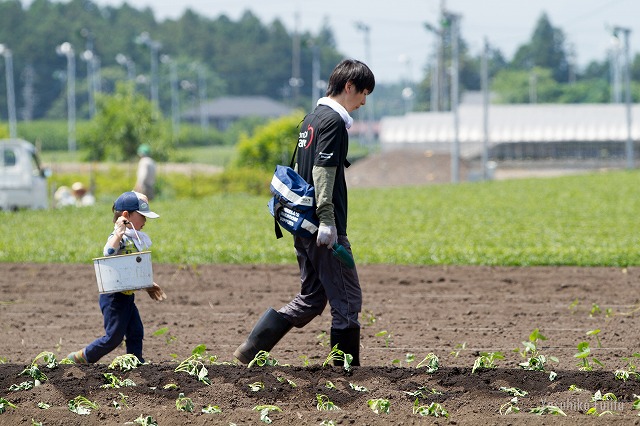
(146, 174)
(321, 160)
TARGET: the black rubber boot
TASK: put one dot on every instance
(348, 341)
(268, 331)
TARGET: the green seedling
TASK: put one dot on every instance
(290, 382)
(329, 385)
(408, 359)
(81, 405)
(324, 339)
(574, 388)
(552, 375)
(145, 421)
(125, 362)
(328, 423)
(368, 318)
(548, 409)
(184, 403)
(574, 305)
(4, 404)
(122, 403)
(459, 348)
(22, 386)
(624, 375)
(265, 410)
(305, 360)
(325, 404)
(112, 381)
(168, 338)
(49, 358)
(43, 405)
(598, 396)
(379, 405)
(423, 392)
(358, 388)
(211, 409)
(595, 310)
(434, 409)
(510, 407)
(636, 402)
(194, 367)
(430, 363)
(256, 386)
(171, 386)
(388, 338)
(35, 423)
(486, 360)
(514, 391)
(630, 371)
(595, 333)
(338, 355)
(263, 358)
(3, 359)
(583, 353)
(593, 411)
(34, 372)
(535, 360)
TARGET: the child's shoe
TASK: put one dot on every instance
(78, 357)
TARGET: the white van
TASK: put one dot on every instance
(23, 182)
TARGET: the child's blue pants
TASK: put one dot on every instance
(121, 321)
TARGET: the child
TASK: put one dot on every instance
(121, 316)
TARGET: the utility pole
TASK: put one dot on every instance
(202, 96)
(295, 81)
(485, 109)
(454, 19)
(154, 47)
(89, 57)
(366, 30)
(65, 49)
(436, 77)
(315, 75)
(11, 96)
(627, 83)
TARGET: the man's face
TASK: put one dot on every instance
(354, 99)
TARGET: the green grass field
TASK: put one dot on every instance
(576, 220)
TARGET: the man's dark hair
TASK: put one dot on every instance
(354, 71)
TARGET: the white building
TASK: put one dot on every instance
(518, 131)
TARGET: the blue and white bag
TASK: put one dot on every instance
(293, 205)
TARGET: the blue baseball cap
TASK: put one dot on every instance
(134, 201)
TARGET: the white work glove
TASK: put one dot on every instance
(327, 236)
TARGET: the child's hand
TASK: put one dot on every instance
(120, 226)
(156, 293)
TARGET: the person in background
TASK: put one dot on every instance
(121, 317)
(146, 173)
(82, 196)
(63, 197)
(321, 160)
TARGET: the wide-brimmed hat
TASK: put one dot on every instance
(133, 201)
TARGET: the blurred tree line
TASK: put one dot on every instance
(248, 57)
(245, 57)
(542, 70)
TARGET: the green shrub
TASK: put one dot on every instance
(271, 144)
(50, 135)
(199, 185)
(192, 135)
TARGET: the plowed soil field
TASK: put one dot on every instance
(456, 313)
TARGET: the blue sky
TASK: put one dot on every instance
(401, 46)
